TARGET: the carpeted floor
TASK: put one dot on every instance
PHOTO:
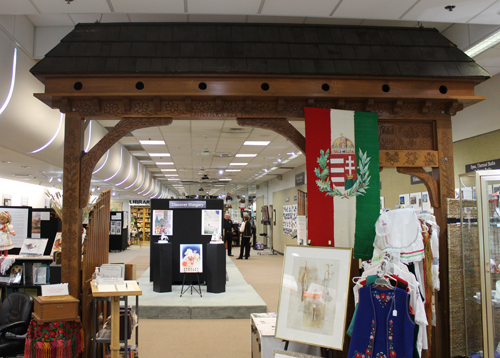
(222, 338)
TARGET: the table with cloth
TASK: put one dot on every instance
(61, 339)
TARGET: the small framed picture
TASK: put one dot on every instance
(313, 296)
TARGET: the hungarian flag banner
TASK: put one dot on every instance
(343, 181)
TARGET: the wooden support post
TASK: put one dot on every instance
(72, 214)
(445, 178)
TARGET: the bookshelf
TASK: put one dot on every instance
(141, 216)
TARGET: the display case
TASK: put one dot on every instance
(480, 228)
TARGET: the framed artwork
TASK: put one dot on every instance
(211, 222)
(163, 222)
(191, 257)
(313, 295)
(279, 353)
(56, 246)
(33, 247)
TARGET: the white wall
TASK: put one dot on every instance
(35, 193)
(482, 117)
(287, 181)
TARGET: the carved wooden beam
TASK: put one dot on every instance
(429, 182)
(187, 104)
(96, 104)
(157, 104)
(310, 102)
(248, 104)
(370, 105)
(280, 105)
(409, 158)
(340, 103)
(65, 106)
(126, 104)
(278, 125)
(425, 106)
(218, 105)
(90, 159)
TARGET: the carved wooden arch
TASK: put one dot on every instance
(427, 180)
(279, 125)
(90, 159)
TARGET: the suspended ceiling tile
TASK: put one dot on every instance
(299, 7)
(490, 16)
(158, 17)
(51, 20)
(434, 10)
(489, 58)
(17, 7)
(148, 6)
(75, 7)
(231, 7)
(380, 9)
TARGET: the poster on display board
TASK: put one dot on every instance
(191, 258)
(290, 219)
(211, 221)
(163, 222)
(301, 230)
(20, 222)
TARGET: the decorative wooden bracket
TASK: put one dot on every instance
(429, 182)
(425, 106)
(370, 105)
(280, 105)
(90, 159)
(340, 104)
(248, 104)
(65, 106)
(96, 104)
(278, 125)
(187, 104)
(218, 105)
(453, 107)
(126, 104)
(396, 106)
(157, 104)
(310, 102)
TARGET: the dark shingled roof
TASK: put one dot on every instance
(256, 49)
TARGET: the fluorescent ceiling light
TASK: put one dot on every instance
(146, 161)
(165, 163)
(257, 142)
(233, 170)
(226, 179)
(171, 175)
(168, 170)
(246, 155)
(238, 163)
(173, 179)
(159, 154)
(152, 142)
(158, 175)
(484, 45)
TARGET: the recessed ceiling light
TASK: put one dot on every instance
(238, 163)
(246, 155)
(257, 142)
(233, 170)
(152, 142)
(159, 154)
(165, 163)
(168, 170)
(221, 171)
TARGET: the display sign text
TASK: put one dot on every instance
(187, 204)
(487, 165)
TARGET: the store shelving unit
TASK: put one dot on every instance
(142, 217)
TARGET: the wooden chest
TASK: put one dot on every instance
(56, 308)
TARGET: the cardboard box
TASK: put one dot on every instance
(56, 308)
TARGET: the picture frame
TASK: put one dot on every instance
(313, 295)
(56, 246)
(279, 353)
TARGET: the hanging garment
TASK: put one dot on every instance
(383, 327)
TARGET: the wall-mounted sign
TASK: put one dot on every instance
(487, 165)
(139, 202)
(295, 198)
(187, 204)
(300, 179)
(287, 199)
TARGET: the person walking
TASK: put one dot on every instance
(246, 234)
(227, 227)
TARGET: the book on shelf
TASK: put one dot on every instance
(16, 274)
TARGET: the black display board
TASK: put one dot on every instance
(118, 236)
(48, 228)
(186, 230)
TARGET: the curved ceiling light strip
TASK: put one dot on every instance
(129, 172)
(157, 192)
(152, 182)
(144, 180)
(53, 137)
(152, 188)
(103, 164)
(137, 178)
(119, 167)
(12, 82)
(90, 137)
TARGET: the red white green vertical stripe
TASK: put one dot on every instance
(346, 210)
